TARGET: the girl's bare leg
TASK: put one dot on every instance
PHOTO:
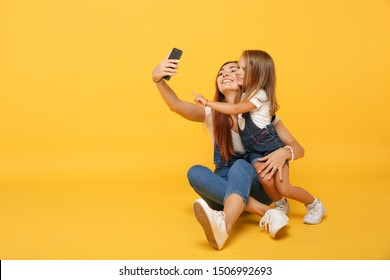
(268, 185)
(286, 189)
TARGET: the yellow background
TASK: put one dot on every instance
(93, 164)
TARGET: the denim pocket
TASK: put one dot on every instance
(262, 141)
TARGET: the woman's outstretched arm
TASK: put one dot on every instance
(189, 111)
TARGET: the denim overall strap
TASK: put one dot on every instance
(250, 126)
(218, 157)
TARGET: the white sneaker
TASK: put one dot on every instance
(315, 213)
(273, 221)
(213, 223)
(282, 206)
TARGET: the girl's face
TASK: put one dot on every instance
(226, 79)
(240, 74)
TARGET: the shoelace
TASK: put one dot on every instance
(313, 211)
(220, 216)
(266, 220)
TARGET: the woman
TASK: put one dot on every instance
(255, 108)
(233, 187)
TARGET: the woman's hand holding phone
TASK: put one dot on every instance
(168, 67)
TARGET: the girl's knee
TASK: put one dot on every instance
(284, 190)
(265, 183)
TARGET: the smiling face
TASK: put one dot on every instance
(240, 74)
(226, 79)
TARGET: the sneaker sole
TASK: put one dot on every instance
(202, 218)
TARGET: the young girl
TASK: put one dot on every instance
(257, 105)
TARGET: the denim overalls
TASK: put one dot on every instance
(220, 163)
(258, 142)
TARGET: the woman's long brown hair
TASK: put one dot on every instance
(260, 74)
(222, 125)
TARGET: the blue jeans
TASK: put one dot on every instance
(238, 178)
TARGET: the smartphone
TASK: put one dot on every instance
(175, 54)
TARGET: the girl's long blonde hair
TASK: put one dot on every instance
(260, 74)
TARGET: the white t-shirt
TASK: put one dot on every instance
(260, 115)
(237, 143)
